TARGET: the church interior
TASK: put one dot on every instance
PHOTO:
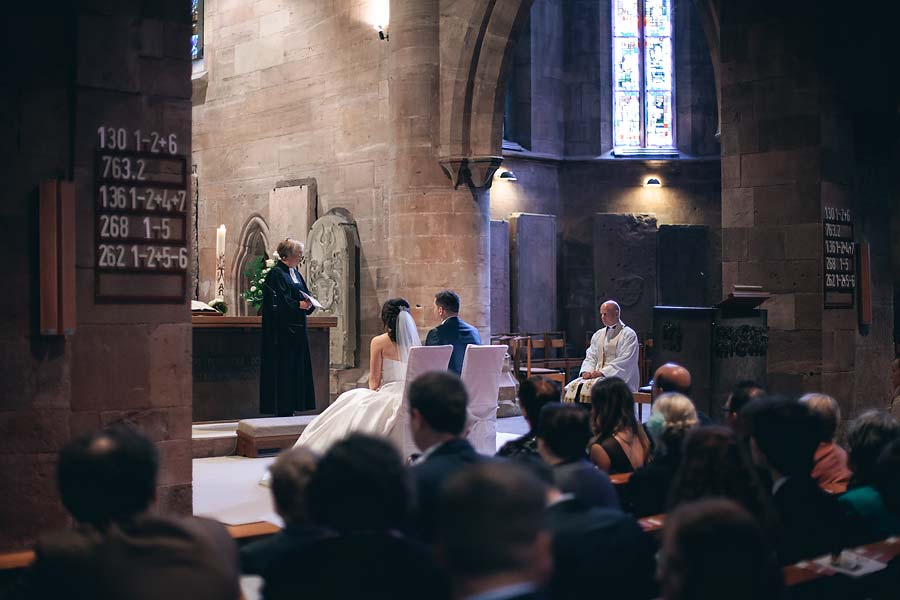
(723, 170)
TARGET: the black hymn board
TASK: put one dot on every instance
(140, 218)
(840, 258)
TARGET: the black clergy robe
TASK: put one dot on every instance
(285, 373)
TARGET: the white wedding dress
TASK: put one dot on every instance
(376, 412)
(361, 410)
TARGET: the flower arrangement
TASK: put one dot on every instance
(256, 273)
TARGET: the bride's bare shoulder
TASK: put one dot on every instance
(381, 341)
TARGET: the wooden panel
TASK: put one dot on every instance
(49, 258)
(203, 321)
(865, 284)
(66, 250)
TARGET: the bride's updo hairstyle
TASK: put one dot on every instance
(389, 313)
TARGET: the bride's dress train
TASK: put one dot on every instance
(361, 410)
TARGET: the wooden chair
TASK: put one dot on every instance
(520, 351)
(552, 345)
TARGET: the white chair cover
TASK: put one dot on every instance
(481, 370)
(422, 359)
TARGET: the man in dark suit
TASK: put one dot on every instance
(452, 331)
(120, 549)
(359, 491)
(492, 533)
(562, 438)
(291, 474)
(437, 404)
(783, 440)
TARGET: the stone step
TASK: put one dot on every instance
(213, 439)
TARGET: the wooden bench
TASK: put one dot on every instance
(270, 434)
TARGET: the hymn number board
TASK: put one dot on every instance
(840, 258)
(141, 217)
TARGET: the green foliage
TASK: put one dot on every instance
(255, 273)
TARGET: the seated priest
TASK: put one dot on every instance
(613, 353)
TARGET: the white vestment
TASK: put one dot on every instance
(613, 352)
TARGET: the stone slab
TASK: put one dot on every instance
(533, 281)
(500, 317)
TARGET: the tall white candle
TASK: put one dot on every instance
(220, 240)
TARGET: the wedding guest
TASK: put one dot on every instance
(743, 393)
(672, 418)
(886, 481)
(437, 405)
(714, 549)
(120, 547)
(830, 460)
(620, 444)
(867, 438)
(595, 547)
(492, 533)
(534, 393)
(562, 439)
(784, 436)
(361, 491)
(291, 473)
(714, 465)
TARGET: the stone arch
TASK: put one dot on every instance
(477, 39)
(708, 12)
(254, 242)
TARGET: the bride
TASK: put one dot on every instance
(374, 410)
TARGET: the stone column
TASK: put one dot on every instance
(793, 143)
(438, 237)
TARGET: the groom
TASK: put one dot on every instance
(452, 330)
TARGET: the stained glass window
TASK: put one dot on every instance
(196, 29)
(643, 74)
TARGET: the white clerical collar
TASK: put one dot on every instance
(293, 273)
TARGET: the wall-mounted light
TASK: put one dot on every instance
(653, 182)
(382, 34)
(507, 175)
(378, 15)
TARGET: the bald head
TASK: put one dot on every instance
(609, 313)
(671, 377)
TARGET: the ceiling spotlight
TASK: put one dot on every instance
(382, 34)
(653, 182)
(508, 176)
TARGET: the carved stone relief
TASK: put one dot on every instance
(332, 251)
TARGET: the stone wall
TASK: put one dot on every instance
(796, 137)
(123, 64)
(575, 190)
(296, 90)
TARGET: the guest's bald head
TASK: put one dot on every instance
(671, 377)
(609, 312)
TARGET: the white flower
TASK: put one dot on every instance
(271, 262)
(262, 280)
(276, 255)
(252, 288)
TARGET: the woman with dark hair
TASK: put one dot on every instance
(374, 410)
(714, 465)
(619, 444)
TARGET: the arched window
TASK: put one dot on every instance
(643, 77)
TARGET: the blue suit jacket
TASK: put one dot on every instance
(457, 333)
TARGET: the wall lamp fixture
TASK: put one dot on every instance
(508, 176)
(382, 34)
(653, 182)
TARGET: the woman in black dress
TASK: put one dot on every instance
(285, 372)
(619, 444)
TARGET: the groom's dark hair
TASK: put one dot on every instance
(441, 399)
(448, 300)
